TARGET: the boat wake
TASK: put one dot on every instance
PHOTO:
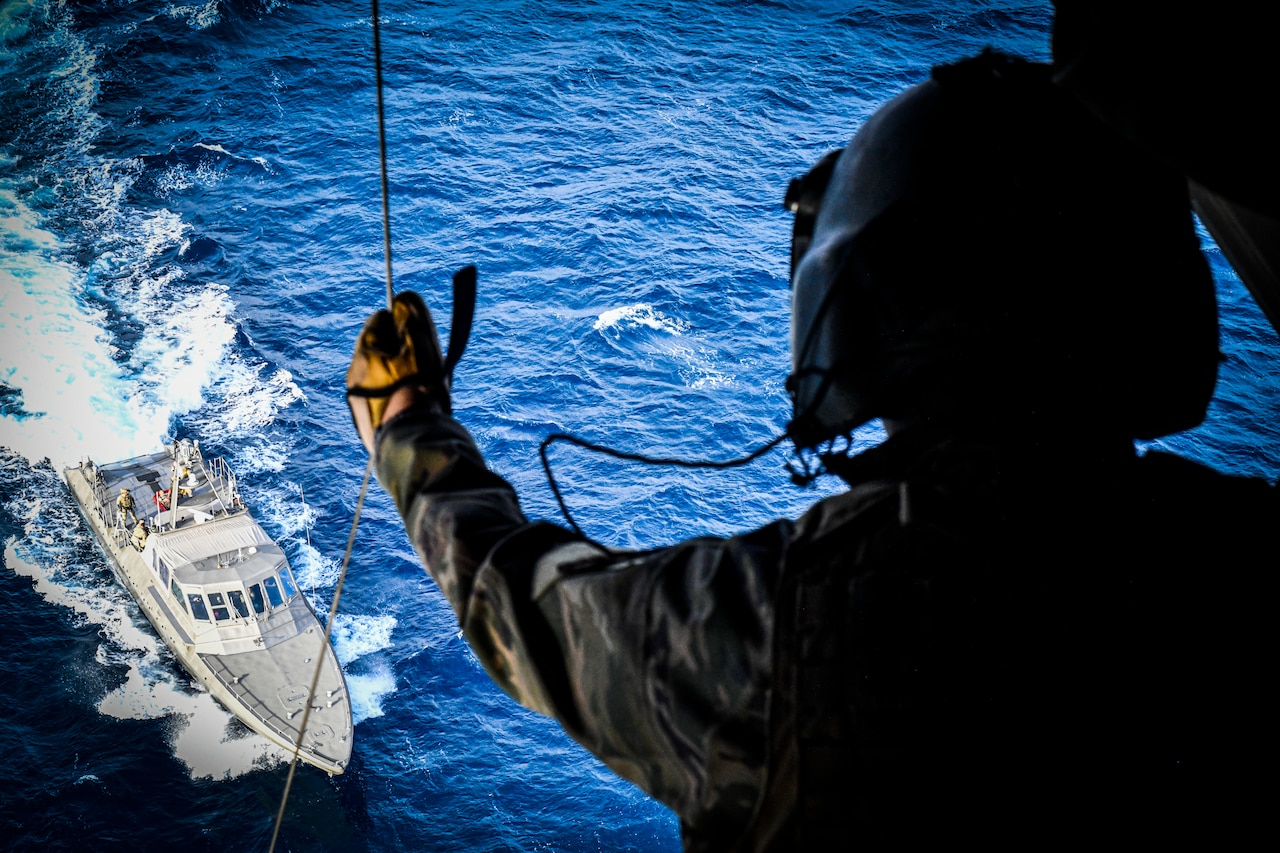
(112, 333)
(66, 570)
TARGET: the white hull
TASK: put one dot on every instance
(256, 647)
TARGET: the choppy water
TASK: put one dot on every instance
(190, 236)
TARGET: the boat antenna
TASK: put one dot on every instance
(368, 468)
(306, 525)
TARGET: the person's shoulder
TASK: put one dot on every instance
(1206, 497)
(863, 504)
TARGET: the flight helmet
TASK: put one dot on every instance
(984, 247)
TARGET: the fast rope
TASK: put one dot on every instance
(368, 469)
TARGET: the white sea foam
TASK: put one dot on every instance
(197, 16)
(700, 370)
(640, 314)
(355, 636)
(76, 400)
(360, 636)
(73, 83)
(214, 147)
(368, 690)
(315, 570)
(696, 365)
(213, 745)
(203, 735)
(207, 739)
(250, 401)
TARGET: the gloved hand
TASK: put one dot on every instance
(396, 349)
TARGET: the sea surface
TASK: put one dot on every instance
(190, 238)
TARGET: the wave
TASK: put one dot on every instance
(363, 636)
(202, 735)
(639, 315)
(697, 365)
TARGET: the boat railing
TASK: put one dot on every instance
(218, 471)
(106, 509)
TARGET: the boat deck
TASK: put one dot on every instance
(204, 493)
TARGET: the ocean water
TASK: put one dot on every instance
(190, 238)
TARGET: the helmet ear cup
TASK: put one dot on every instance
(842, 325)
(803, 198)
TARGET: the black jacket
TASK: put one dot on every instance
(983, 640)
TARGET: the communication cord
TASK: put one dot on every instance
(368, 469)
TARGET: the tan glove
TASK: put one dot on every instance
(396, 349)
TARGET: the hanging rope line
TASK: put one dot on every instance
(328, 629)
(368, 468)
(382, 153)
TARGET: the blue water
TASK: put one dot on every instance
(190, 237)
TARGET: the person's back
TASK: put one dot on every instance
(1001, 642)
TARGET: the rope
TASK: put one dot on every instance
(315, 678)
(382, 152)
(368, 468)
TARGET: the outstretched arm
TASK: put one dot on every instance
(658, 662)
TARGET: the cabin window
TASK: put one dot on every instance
(273, 592)
(220, 611)
(197, 607)
(177, 592)
(287, 583)
(255, 596)
(164, 575)
(238, 602)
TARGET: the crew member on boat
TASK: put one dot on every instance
(140, 534)
(162, 500)
(186, 482)
(124, 504)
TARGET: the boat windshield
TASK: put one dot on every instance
(273, 592)
(220, 611)
(255, 596)
(238, 602)
(286, 582)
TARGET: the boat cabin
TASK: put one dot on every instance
(230, 581)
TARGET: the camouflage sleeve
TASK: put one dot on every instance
(658, 662)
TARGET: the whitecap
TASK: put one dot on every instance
(367, 690)
(700, 371)
(640, 314)
(198, 17)
(355, 636)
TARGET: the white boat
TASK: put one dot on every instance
(220, 594)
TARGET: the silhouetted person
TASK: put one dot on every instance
(1012, 628)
